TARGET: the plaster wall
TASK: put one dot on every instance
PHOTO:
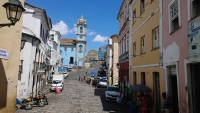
(175, 48)
(10, 39)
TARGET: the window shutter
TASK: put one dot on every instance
(144, 45)
(154, 46)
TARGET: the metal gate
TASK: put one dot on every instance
(195, 80)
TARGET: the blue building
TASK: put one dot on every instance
(74, 50)
(101, 53)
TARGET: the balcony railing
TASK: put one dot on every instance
(124, 57)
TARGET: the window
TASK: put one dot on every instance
(52, 36)
(142, 6)
(124, 45)
(134, 49)
(41, 30)
(156, 38)
(134, 78)
(65, 48)
(143, 81)
(80, 48)
(174, 16)
(81, 29)
(143, 44)
(72, 49)
(195, 8)
(134, 16)
(127, 44)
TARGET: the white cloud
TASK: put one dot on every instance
(63, 28)
(99, 38)
(90, 32)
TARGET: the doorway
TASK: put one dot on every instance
(195, 85)
(157, 91)
(173, 90)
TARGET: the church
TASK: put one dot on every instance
(73, 51)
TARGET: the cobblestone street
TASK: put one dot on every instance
(77, 97)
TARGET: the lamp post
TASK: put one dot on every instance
(14, 11)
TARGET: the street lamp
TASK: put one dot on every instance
(118, 66)
(23, 43)
(14, 11)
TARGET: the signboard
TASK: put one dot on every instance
(4, 54)
(194, 40)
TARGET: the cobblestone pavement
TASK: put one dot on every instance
(77, 97)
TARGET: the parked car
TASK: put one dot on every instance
(115, 84)
(66, 74)
(111, 93)
(102, 83)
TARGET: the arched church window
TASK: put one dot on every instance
(81, 29)
(80, 48)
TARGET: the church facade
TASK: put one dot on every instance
(74, 50)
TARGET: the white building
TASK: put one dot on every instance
(54, 44)
(109, 58)
(36, 26)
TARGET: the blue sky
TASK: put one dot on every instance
(100, 15)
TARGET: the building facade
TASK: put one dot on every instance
(54, 45)
(35, 33)
(101, 53)
(77, 55)
(92, 55)
(114, 71)
(108, 60)
(9, 68)
(68, 48)
(146, 57)
(123, 39)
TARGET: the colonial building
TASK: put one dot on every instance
(10, 42)
(36, 26)
(108, 60)
(123, 39)
(101, 53)
(114, 71)
(92, 55)
(54, 45)
(146, 57)
(74, 53)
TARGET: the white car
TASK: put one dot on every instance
(66, 74)
(102, 83)
(57, 83)
(111, 93)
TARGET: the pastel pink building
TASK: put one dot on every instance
(180, 32)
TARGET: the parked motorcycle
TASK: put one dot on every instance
(24, 103)
(38, 101)
(44, 96)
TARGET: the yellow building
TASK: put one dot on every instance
(145, 62)
(10, 41)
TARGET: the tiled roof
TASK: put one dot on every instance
(66, 42)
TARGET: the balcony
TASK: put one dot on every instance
(124, 57)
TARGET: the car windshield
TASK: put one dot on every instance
(102, 80)
(113, 89)
(57, 82)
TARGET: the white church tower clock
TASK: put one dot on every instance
(81, 28)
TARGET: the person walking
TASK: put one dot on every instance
(165, 103)
(144, 102)
(79, 78)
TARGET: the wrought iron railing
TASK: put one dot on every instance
(124, 57)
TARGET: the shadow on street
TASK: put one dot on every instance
(110, 106)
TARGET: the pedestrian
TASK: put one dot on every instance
(144, 102)
(79, 78)
(84, 77)
(165, 103)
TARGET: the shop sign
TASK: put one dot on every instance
(4, 54)
(194, 40)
